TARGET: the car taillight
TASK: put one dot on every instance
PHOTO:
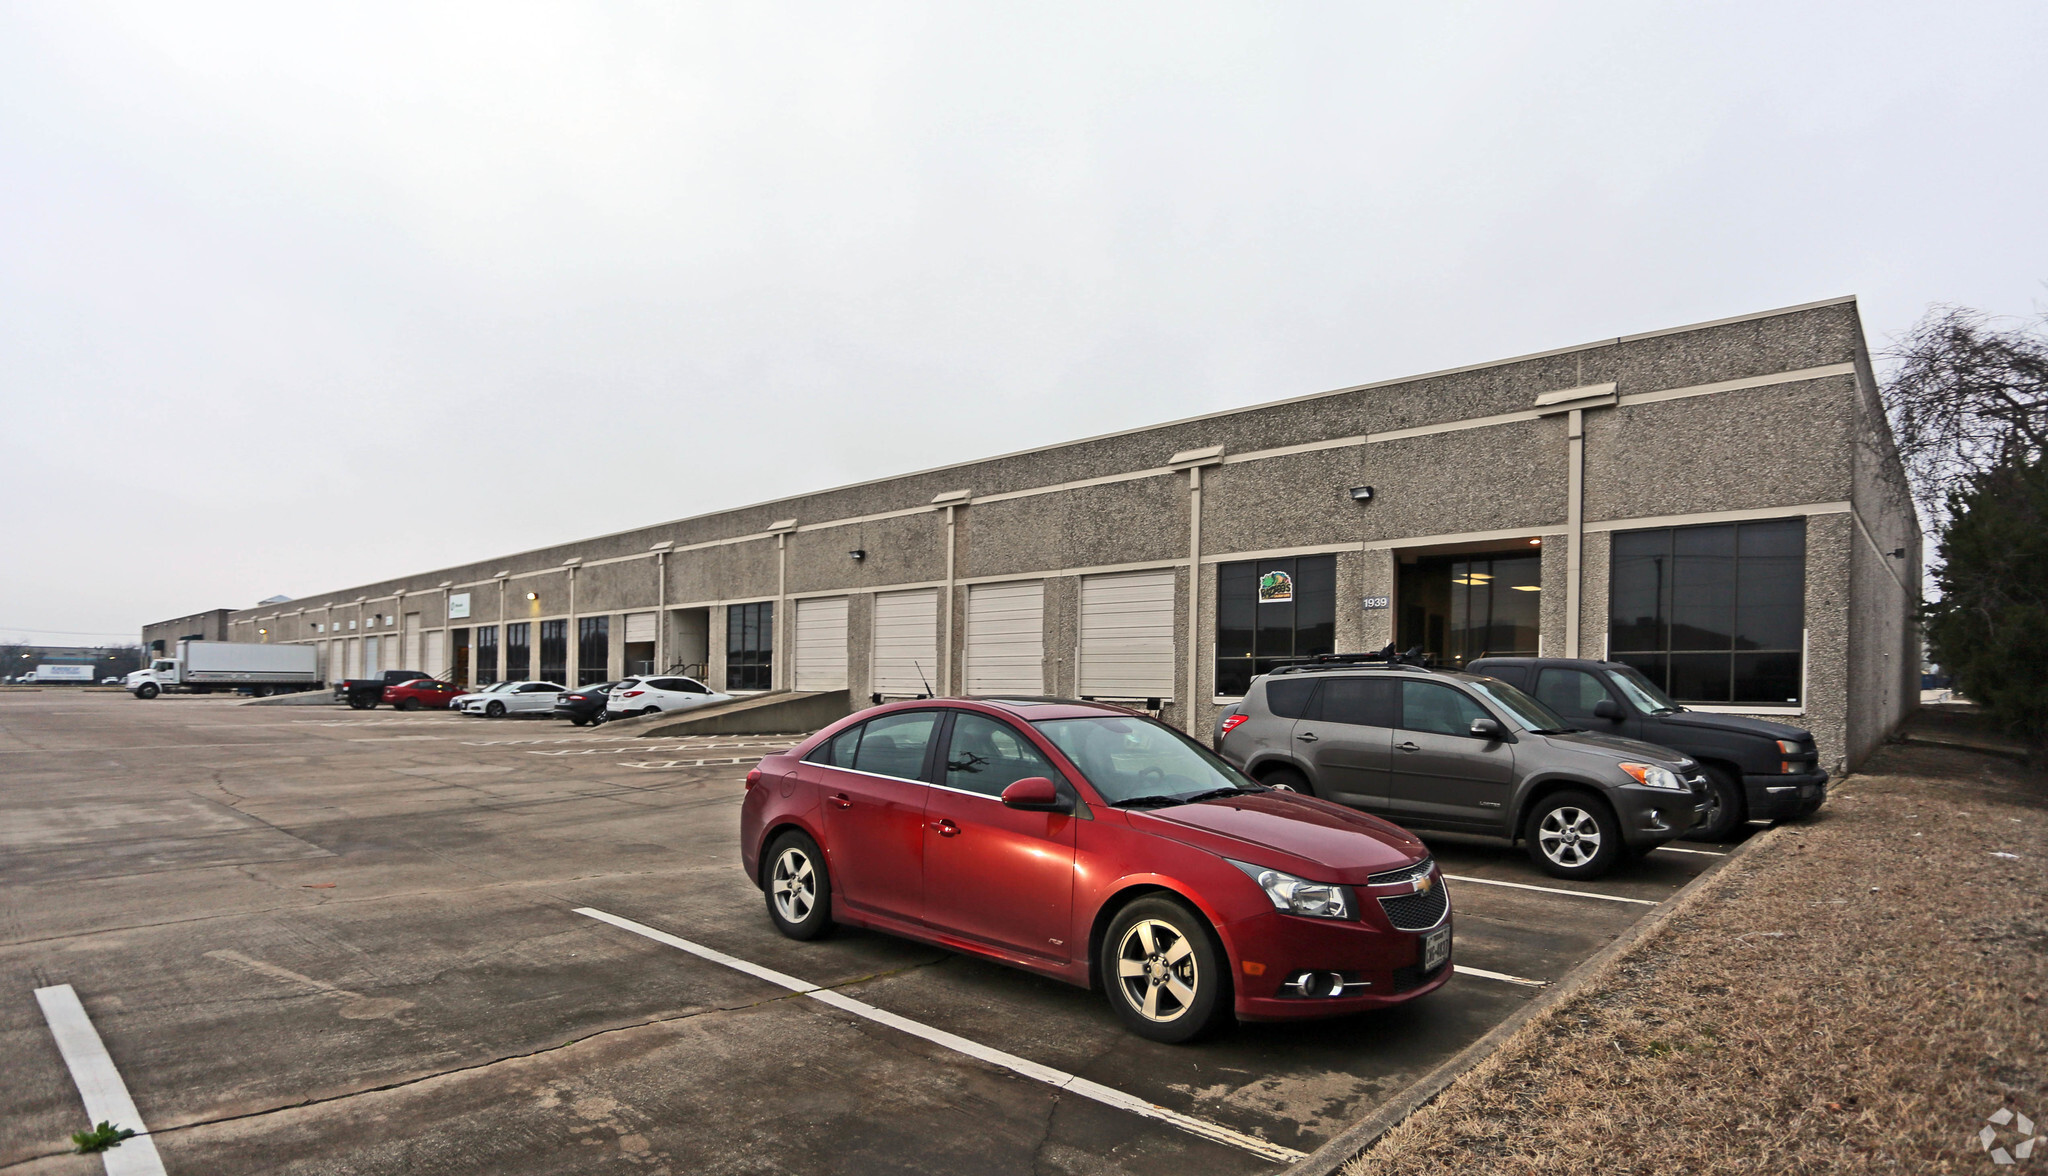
(753, 778)
(1231, 723)
(632, 694)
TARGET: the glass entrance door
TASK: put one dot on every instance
(1459, 608)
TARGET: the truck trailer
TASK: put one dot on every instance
(51, 672)
(205, 666)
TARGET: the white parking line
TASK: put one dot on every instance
(1701, 852)
(1059, 1079)
(99, 1083)
(1503, 977)
(1552, 890)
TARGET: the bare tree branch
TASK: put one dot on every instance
(1967, 396)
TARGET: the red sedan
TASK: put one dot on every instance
(421, 694)
(1095, 845)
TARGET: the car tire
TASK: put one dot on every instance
(577, 721)
(1561, 827)
(358, 702)
(495, 709)
(407, 704)
(1289, 779)
(797, 885)
(652, 710)
(1726, 811)
(147, 690)
(599, 719)
(1180, 973)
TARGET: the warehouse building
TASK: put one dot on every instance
(1720, 505)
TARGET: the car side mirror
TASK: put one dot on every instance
(1488, 729)
(1035, 794)
(1607, 708)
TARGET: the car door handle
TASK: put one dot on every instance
(1407, 747)
(1308, 737)
(842, 800)
(945, 828)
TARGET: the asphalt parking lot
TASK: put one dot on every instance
(318, 940)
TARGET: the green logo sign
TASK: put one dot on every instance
(1276, 588)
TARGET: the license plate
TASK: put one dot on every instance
(1436, 948)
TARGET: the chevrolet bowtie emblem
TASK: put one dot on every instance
(1424, 884)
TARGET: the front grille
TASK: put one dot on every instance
(1404, 874)
(1417, 912)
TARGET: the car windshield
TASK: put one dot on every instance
(1520, 707)
(1641, 691)
(1137, 761)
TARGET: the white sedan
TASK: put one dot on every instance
(512, 698)
(645, 696)
(458, 702)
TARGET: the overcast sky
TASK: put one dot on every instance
(293, 300)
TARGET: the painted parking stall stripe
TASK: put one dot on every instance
(1503, 977)
(1701, 852)
(1058, 1079)
(1552, 890)
(99, 1083)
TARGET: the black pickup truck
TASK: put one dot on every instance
(1755, 770)
(366, 693)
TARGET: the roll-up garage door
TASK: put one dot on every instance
(906, 653)
(821, 644)
(1127, 636)
(1006, 638)
(411, 629)
(640, 626)
(436, 658)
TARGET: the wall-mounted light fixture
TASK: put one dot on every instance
(533, 596)
(263, 632)
(858, 554)
(1898, 553)
(1361, 494)
(1535, 542)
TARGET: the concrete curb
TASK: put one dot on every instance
(1354, 1140)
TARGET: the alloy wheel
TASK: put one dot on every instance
(1156, 970)
(794, 885)
(1569, 836)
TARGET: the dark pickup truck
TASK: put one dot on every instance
(1755, 770)
(366, 693)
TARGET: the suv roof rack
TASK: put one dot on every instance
(1388, 658)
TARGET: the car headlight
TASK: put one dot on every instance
(1652, 776)
(1299, 896)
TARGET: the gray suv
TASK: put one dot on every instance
(1438, 749)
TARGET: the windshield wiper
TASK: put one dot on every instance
(1135, 801)
(1212, 793)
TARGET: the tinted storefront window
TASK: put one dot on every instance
(1713, 614)
(519, 650)
(750, 646)
(1271, 612)
(486, 655)
(593, 650)
(554, 651)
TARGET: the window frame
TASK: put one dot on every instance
(1658, 664)
(1313, 590)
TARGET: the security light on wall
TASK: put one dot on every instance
(533, 596)
(1361, 493)
(1535, 542)
(858, 554)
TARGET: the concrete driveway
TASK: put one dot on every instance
(319, 940)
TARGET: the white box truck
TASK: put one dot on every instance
(55, 672)
(204, 666)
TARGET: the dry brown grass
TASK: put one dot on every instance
(1855, 995)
